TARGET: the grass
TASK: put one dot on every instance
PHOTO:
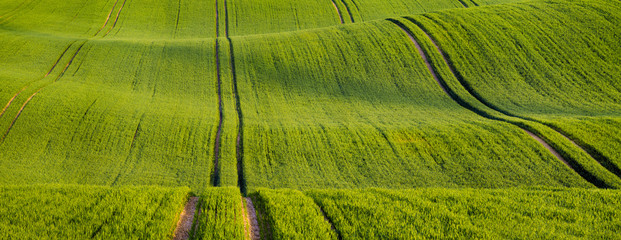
(400, 129)
(151, 121)
(289, 214)
(219, 215)
(80, 212)
(472, 213)
(519, 62)
(125, 94)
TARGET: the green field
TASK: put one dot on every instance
(81, 212)
(333, 119)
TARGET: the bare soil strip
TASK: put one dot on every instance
(251, 217)
(184, 225)
(10, 101)
(338, 11)
(107, 18)
(18, 113)
(116, 19)
(576, 167)
(547, 146)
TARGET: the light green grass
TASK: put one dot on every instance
(89, 212)
(556, 62)
(289, 214)
(219, 215)
(356, 107)
(472, 213)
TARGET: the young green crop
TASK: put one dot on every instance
(219, 215)
(89, 212)
(472, 213)
(151, 120)
(355, 106)
(555, 62)
(289, 214)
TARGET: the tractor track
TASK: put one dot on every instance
(216, 163)
(27, 85)
(239, 142)
(325, 217)
(116, 19)
(186, 218)
(251, 218)
(599, 158)
(351, 17)
(338, 12)
(107, 18)
(463, 3)
(572, 165)
(38, 90)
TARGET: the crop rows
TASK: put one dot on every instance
(400, 129)
(82, 212)
(576, 96)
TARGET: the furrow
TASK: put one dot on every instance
(184, 225)
(239, 143)
(338, 12)
(107, 18)
(216, 164)
(575, 167)
(48, 73)
(116, 19)
(251, 216)
(600, 159)
(351, 17)
(18, 113)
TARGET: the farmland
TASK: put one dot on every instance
(322, 119)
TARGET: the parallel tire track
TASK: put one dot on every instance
(216, 162)
(107, 18)
(116, 19)
(38, 90)
(48, 73)
(600, 159)
(574, 166)
(338, 12)
(19, 113)
(351, 17)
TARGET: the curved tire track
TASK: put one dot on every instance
(587, 176)
(338, 12)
